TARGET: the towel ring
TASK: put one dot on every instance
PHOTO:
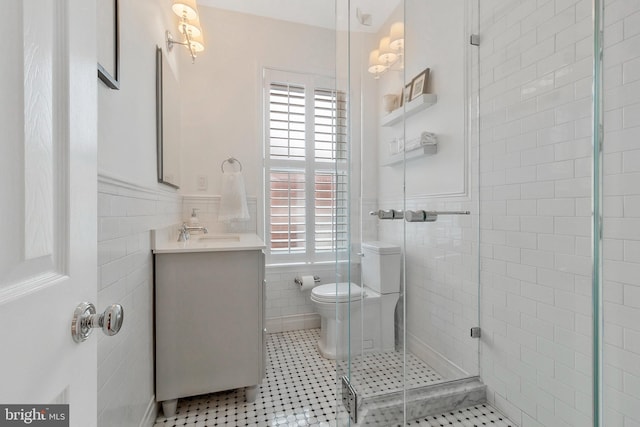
(231, 161)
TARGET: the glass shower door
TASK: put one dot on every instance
(440, 177)
(414, 189)
(537, 200)
(619, 167)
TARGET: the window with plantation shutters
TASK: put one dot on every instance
(305, 153)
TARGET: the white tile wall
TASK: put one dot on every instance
(441, 276)
(289, 308)
(126, 213)
(621, 227)
(209, 207)
(535, 257)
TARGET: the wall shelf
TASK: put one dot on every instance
(421, 150)
(423, 102)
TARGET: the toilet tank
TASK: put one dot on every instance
(381, 267)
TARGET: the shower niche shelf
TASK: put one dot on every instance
(423, 102)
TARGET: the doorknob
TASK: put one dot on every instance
(85, 320)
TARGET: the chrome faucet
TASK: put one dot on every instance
(185, 231)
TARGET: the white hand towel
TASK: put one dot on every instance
(428, 138)
(233, 204)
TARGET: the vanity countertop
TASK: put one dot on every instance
(163, 242)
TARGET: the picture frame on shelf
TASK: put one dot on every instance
(419, 84)
(405, 96)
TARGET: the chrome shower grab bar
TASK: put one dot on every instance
(429, 216)
(414, 216)
(387, 214)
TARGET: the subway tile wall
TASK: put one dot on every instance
(208, 208)
(287, 307)
(441, 278)
(621, 224)
(535, 190)
(126, 213)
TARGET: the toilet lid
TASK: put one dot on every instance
(329, 293)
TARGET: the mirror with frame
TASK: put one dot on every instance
(167, 122)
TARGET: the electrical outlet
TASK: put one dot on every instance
(203, 183)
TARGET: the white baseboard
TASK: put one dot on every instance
(150, 414)
(293, 323)
(442, 365)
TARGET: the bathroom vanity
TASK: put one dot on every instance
(209, 315)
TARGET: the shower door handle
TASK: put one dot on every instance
(387, 214)
(429, 216)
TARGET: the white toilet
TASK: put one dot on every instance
(372, 305)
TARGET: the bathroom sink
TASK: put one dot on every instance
(165, 240)
(219, 238)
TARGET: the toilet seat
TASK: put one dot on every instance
(330, 293)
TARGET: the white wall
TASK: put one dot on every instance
(434, 38)
(535, 177)
(222, 91)
(131, 203)
(127, 119)
(621, 227)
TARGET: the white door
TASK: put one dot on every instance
(48, 138)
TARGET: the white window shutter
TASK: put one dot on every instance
(306, 193)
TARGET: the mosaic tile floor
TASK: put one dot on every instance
(380, 373)
(299, 390)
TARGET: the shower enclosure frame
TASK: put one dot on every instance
(597, 203)
(471, 185)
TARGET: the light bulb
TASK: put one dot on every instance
(387, 56)
(375, 67)
(185, 9)
(396, 36)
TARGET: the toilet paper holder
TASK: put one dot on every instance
(298, 280)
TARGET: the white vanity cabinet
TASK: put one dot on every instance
(209, 322)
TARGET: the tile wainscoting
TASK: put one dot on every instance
(126, 213)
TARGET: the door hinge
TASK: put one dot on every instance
(350, 399)
(475, 332)
(474, 39)
(600, 137)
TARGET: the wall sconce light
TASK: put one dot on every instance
(189, 27)
(390, 52)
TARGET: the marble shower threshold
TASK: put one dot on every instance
(421, 402)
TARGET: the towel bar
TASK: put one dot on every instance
(231, 161)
